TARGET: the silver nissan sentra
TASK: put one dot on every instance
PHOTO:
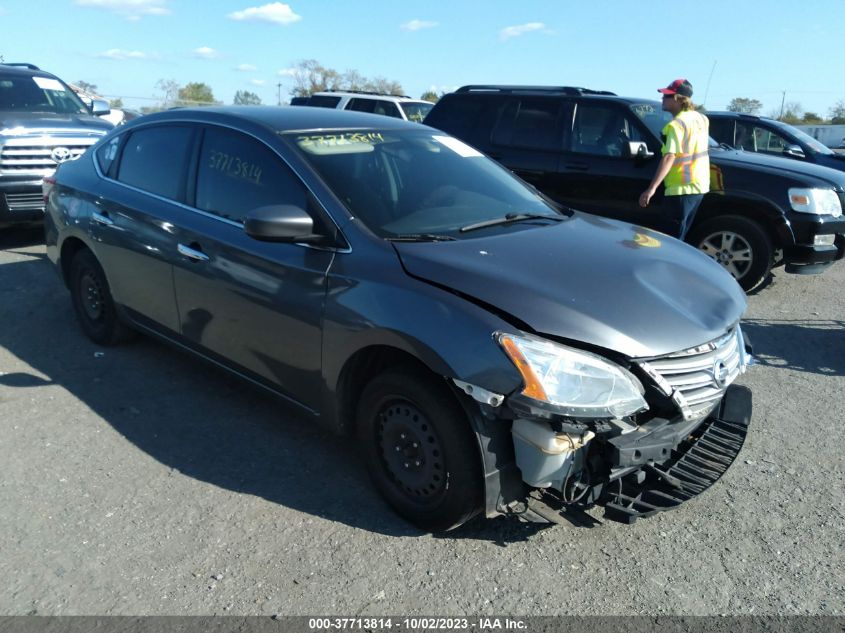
(492, 351)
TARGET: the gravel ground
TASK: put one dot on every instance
(139, 481)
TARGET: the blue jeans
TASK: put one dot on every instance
(680, 213)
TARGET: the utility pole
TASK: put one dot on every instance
(782, 101)
(279, 93)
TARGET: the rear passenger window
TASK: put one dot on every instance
(530, 124)
(155, 159)
(238, 173)
(321, 101)
(107, 153)
(361, 105)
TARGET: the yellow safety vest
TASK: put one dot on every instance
(687, 138)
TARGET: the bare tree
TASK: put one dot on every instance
(170, 88)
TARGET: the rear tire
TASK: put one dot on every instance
(92, 301)
(740, 245)
(420, 450)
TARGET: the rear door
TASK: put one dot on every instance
(140, 202)
(527, 138)
(255, 305)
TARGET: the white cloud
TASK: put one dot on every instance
(515, 31)
(130, 9)
(257, 82)
(416, 25)
(275, 13)
(204, 52)
(287, 72)
(245, 68)
(120, 55)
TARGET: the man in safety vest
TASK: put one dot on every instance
(685, 165)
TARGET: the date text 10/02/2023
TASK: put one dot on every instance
(417, 623)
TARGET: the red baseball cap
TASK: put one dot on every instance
(678, 87)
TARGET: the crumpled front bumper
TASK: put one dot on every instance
(694, 465)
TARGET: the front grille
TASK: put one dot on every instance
(25, 202)
(696, 378)
(34, 156)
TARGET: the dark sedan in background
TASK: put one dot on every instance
(492, 351)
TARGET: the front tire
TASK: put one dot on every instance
(740, 245)
(420, 450)
(92, 301)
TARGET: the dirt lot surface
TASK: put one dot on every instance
(137, 480)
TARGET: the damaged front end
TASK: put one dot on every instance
(635, 439)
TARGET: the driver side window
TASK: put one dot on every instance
(602, 130)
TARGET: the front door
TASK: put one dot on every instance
(255, 305)
(597, 172)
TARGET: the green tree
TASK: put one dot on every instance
(811, 118)
(245, 97)
(196, 93)
(430, 95)
(837, 113)
(745, 106)
(116, 103)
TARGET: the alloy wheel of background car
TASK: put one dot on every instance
(740, 245)
(92, 301)
(420, 451)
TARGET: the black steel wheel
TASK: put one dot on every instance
(739, 244)
(420, 450)
(92, 301)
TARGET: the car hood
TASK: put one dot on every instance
(37, 122)
(778, 164)
(835, 161)
(591, 280)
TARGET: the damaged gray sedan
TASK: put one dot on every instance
(491, 351)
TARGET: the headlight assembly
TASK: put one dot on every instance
(816, 201)
(579, 383)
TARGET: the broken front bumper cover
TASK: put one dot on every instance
(638, 488)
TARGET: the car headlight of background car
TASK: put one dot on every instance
(581, 384)
(816, 201)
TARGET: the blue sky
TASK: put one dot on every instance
(759, 48)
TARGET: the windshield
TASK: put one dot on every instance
(22, 93)
(416, 111)
(808, 140)
(410, 182)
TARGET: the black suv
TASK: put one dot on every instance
(42, 123)
(768, 136)
(597, 152)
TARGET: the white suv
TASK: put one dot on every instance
(373, 102)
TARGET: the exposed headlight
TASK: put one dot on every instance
(824, 240)
(816, 201)
(582, 384)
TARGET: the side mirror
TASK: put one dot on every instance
(639, 150)
(794, 151)
(281, 223)
(99, 107)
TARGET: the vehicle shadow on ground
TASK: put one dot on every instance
(814, 346)
(196, 419)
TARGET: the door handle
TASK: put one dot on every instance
(576, 166)
(101, 218)
(191, 253)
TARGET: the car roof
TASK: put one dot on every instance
(282, 118)
(25, 71)
(365, 95)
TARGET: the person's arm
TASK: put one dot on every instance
(662, 171)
